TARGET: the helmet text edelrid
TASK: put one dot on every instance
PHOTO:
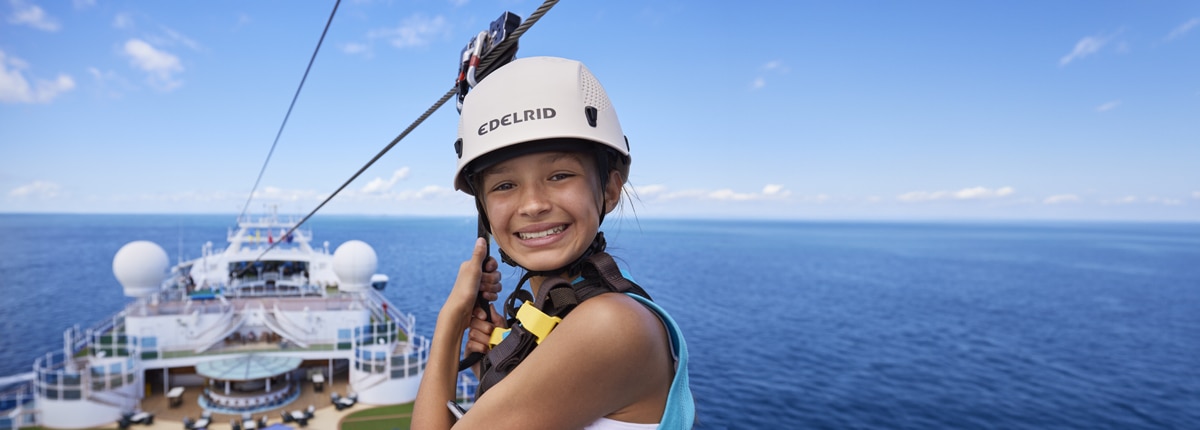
(516, 117)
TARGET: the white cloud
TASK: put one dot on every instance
(32, 15)
(1183, 29)
(15, 88)
(1121, 201)
(83, 4)
(109, 83)
(1085, 47)
(777, 66)
(175, 36)
(774, 66)
(429, 192)
(773, 190)
(380, 189)
(161, 66)
(662, 193)
(36, 189)
(355, 48)
(380, 185)
(728, 194)
(414, 31)
(974, 193)
(1108, 106)
(653, 190)
(1164, 201)
(1061, 198)
(1196, 194)
(280, 194)
(123, 21)
(459, 3)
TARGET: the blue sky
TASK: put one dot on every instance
(1018, 110)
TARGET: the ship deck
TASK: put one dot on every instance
(325, 417)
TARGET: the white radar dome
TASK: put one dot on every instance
(141, 267)
(354, 262)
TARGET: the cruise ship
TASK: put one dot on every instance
(242, 331)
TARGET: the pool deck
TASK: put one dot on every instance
(326, 416)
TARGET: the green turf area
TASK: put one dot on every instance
(395, 417)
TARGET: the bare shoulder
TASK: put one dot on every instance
(616, 320)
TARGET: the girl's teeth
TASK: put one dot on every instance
(536, 235)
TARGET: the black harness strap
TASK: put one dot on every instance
(556, 297)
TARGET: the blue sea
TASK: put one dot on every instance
(789, 324)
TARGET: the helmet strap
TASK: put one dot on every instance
(519, 296)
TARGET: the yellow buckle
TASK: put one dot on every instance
(498, 335)
(535, 321)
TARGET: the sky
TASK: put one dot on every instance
(846, 110)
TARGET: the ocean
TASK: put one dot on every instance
(898, 325)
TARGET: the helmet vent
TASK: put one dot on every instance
(593, 93)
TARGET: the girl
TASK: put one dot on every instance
(542, 152)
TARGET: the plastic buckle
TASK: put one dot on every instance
(498, 336)
(536, 322)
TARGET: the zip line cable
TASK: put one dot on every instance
(289, 111)
(483, 65)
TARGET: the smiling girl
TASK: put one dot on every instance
(543, 154)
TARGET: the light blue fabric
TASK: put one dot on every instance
(680, 412)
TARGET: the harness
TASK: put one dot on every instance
(537, 317)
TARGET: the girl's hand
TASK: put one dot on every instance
(489, 282)
(456, 312)
(480, 326)
(481, 330)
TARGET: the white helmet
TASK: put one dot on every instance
(551, 103)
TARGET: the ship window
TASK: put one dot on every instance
(150, 342)
(72, 394)
(344, 333)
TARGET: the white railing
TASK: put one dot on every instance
(17, 404)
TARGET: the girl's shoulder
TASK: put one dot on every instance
(619, 320)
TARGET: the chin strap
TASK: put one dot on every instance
(519, 295)
(532, 319)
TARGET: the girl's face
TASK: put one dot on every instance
(544, 208)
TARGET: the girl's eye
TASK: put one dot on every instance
(502, 186)
(560, 176)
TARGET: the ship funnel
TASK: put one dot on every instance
(354, 262)
(141, 267)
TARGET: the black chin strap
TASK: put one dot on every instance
(520, 295)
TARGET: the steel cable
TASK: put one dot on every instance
(484, 63)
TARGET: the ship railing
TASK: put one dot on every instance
(113, 323)
(176, 303)
(407, 322)
(56, 378)
(284, 285)
(198, 306)
(402, 360)
(465, 389)
(245, 234)
(17, 403)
